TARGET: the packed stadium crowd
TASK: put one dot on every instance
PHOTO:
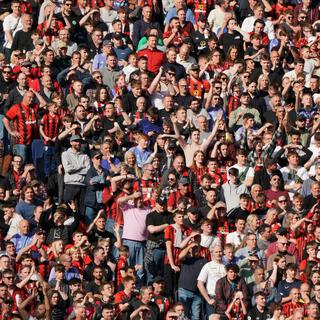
(160, 159)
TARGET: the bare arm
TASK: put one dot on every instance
(156, 229)
(155, 82)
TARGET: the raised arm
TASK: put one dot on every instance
(209, 140)
(179, 137)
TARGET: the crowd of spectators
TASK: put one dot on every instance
(159, 159)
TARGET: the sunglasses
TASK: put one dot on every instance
(6, 72)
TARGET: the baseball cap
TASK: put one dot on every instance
(107, 43)
(117, 36)
(35, 183)
(301, 117)
(195, 66)
(95, 153)
(75, 137)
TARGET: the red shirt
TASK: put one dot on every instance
(122, 264)
(24, 121)
(51, 124)
(145, 187)
(289, 307)
(175, 196)
(197, 88)
(156, 59)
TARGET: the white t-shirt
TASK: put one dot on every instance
(248, 25)
(301, 172)
(235, 238)
(210, 274)
(13, 24)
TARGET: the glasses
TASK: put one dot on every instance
(6, 72)
(68, 4)
(284, 243)
(218, 88)
(9, 277)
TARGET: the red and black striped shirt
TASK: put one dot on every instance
(51, 124)
(24, 121)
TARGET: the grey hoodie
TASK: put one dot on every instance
(76, 166)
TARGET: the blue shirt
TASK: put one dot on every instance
(173, 13)
(20, 241)
(99, 61)
(141, 155)
(147, 126)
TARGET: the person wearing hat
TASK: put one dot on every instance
(193, 218)
(76, 165)
(99, 60)
(163, 302)
(121, 49)
(157, 220)
(183, 191)
(201, 35)
(96, 180)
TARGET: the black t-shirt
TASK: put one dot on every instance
(163, 114)
(232, 39)
(237, 213)
(153, 314)
(255, 314)
(157, 219)
(93, 287)
(193, 226)
(107, 273)
(182, 100)
(96, 235)
(190, 269)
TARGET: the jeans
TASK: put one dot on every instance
(49, 160)
(90, 214)
(192, 302)
(158, 257)
(24, 152)
(137, 251)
